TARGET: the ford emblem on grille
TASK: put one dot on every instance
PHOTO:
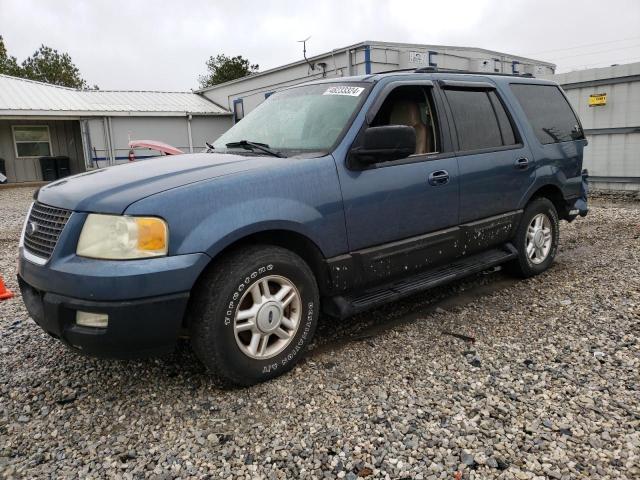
(32, 227)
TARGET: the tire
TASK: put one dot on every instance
(529, 264)
(230, 308)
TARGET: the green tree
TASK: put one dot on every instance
(8, 64)
(50, 66)
(223, 69)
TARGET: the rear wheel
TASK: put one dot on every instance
(254, 314)
(536, 238)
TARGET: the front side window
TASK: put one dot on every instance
(480, 118)
(302, 119)
(548, 112)
(411, 106)
(31, 141)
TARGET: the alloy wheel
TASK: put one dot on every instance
(267, 317)
(538, 243)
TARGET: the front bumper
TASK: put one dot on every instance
(145, 299)
(137, 328)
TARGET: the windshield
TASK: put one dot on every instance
(302, 119)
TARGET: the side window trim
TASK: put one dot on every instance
(420, 158)
(517, 136)
(477, 151)
(466, 85)
(495, 113)
(386, 90)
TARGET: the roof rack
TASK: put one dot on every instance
(468, 72)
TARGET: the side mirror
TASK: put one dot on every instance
(383, 144)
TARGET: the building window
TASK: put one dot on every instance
(31, 141)
(238, 110)
(433, 62)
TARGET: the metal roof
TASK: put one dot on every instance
(19, 96)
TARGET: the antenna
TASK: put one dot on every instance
(304, 52)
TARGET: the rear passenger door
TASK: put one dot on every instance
(495, 166)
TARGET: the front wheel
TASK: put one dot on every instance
(536, 239)
(254, 314)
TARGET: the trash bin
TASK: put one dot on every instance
(48, 168)
(3, 170)
(54, 168)
(62, 166)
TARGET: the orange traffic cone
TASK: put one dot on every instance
(5, 294)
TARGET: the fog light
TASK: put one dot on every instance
(91, 319)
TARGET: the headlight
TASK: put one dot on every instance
(116, 237)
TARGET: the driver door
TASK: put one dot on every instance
(402, 215)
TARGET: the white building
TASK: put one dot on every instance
(244, 94)
(93, 128)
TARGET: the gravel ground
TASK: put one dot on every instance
(487, 378)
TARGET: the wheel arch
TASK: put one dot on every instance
(554, 194)
(292, 240)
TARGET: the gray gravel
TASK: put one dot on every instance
(490, 377)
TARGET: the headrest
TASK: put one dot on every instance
(405, 112)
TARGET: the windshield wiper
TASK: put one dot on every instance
(247, 145)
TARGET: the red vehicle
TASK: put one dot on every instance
(163, 148)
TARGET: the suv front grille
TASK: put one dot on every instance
(43, 229)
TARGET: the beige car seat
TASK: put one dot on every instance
(408, 113)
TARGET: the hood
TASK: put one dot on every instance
(113, 189)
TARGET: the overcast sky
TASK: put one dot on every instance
(163, 45)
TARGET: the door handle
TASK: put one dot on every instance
(439, 177)
(522, 163)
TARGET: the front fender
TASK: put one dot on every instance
(266, 214)
(302, 196)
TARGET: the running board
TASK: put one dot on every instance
(344, 306)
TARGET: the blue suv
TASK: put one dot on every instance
(336, 195)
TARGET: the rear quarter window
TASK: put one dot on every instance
(548, 112)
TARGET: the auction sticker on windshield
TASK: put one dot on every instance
(344, 90)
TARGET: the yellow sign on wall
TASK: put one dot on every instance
(597, 99)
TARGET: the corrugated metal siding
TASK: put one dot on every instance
(622, 108)
(613, 155)
(19, 96)
(613, 130)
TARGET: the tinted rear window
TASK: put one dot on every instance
(480, 119)
(548, 112)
